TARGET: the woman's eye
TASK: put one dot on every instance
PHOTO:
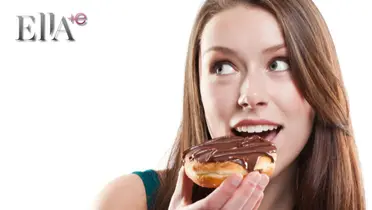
(279, 65)
(223, 69)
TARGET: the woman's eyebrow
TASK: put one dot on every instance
(224, 50)
(227, 50)
(274, 48)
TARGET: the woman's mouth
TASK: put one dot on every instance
(267, 132)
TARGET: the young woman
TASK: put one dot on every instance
(259, 62)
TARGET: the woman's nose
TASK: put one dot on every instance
(252, 94)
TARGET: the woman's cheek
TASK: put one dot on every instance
(286, 96)
(224, 94)
(219, 98)
(219, 106)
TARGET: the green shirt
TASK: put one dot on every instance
(151, 183)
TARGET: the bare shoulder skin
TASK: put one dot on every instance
(125, 192)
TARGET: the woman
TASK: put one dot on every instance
(268, 62)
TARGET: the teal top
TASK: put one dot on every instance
(151, 182)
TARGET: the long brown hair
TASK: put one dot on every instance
(328, 165)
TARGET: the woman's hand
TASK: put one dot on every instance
(235, 193)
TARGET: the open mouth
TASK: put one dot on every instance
(267, 132)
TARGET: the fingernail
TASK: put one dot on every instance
(236, 180)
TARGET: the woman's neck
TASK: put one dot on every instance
(279, 194)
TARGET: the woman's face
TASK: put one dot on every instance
(246, 85)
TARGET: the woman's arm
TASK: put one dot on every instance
(126, 192)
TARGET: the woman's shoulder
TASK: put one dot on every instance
(131, 191)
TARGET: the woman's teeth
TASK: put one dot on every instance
(256, 128)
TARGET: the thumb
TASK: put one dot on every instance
(183, 191)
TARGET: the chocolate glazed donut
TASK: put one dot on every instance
(211, 162)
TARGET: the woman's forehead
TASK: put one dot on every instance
(242, 27)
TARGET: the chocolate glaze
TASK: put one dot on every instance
(242, 150)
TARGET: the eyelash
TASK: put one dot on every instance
(218, 63)
(280, 58)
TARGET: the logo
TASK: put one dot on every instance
(30, 25)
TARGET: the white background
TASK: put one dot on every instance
(74, 116)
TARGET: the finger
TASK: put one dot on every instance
(257, 193)
(220, 195)
(183, 190)
(258, 203)
(244, 191)
(263, 182)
